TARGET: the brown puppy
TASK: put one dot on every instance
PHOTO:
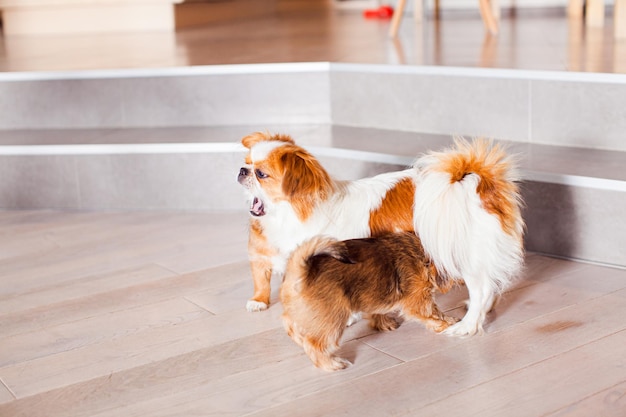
(327, 280)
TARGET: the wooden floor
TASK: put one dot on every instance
(314, 31)
(142, 314)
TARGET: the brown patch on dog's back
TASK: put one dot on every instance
(395, 213)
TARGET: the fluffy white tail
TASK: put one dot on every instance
(467, 215)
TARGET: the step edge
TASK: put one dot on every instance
(605, 184)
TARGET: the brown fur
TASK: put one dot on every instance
(396, 210)
(327, 280)
(260, 262)
(305, 182)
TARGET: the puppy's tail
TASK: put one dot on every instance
(467, 212)
(299, 262)
(319, 245)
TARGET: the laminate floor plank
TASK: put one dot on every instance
(547, 385)
(81, 227)
(408, 388)
(5, 394)
(42, 232)
(152, 344)
(112, 292)
(180, 246)
(610, 402)
(259, 388)
(152, 381)
(203, 378)
(234, 292)
(108, 327)
(85, 286)
(145, 316)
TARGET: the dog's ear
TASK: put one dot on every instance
(305, 181)
(256, 137)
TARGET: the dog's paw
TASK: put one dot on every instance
(384, 323)
(464, 329)
(336, 364)
(253, 305)
(439, 325)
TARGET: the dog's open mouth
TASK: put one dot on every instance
(257, 209)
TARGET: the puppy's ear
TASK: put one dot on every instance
(305, 181)
(256, 137)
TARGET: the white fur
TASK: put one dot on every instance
(465, 241)
(261, 150)
(253, 306)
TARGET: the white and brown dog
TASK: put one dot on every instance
(463, 203)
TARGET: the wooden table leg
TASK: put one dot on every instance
(575, 8)
(594, 11)
(418, 10)
(395, 19)
(619, 19)
(488, 18)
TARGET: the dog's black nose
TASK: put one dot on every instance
(243, 174)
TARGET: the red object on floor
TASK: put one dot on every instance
(383, 12)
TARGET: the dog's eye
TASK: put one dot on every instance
(260, 174)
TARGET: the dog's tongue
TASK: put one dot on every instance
(257, 208)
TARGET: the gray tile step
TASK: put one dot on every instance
(585, 110)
